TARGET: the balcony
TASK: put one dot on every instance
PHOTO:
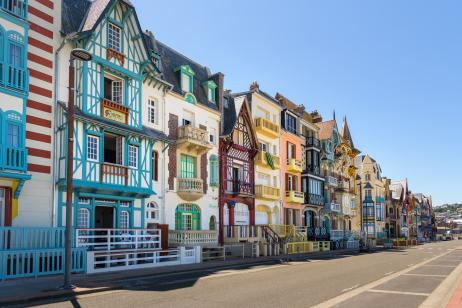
(312, 142)
(313, 169)
(15, 7)
(315, 199)
(13, 77)
(333, 207)
(294, 165)
(267, 192)
(189, 189)
(193, 140)
(12, 158)
(192, 238)
(239, 234)
(114, 174)
(293, 196)
(331, 181)
(263, 159)
(346, 210)
(268, 128)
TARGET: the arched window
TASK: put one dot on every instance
(124, 220)
(152, 211)
(187, 217)
(213, 223)
(213, 170)
(15, 51)
(83, 218)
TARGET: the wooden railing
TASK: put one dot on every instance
(262, 160)
(294, 165)
(192, 237)
(284, 230)
(295, 196)
(15, 7)
(262, 123)
(114, 174)
(26, 238)
(267, 192)
(240, 233)
(112, 53)
(13, 158)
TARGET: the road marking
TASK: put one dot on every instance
(347, 295)
(389, 273)
(411, 264)
(348, 289)
(398, 292)
(425, 275)
(437, 265)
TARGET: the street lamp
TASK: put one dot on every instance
(82, 55)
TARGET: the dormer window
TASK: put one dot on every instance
(155, 60)
(113, 37)
(186, 78)
(210, 88)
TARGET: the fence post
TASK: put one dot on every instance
(90, 262)
(198, 253)
(182, 254)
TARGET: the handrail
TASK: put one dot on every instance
(268, 124)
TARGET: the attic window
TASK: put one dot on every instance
(155, 59)
(186, 78)
(210, 88)
(113, 37)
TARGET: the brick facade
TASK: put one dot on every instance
(173, 133)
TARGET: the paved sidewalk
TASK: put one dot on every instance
(19, 291)
(456, 299)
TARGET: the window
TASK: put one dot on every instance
(92, 148)
(186, 85)
(113, 89)
(212, 223)
(155, 166)
(291, 151)
(368, 193)
(187, 217)
(368, 177)
(152, 111)
(291, 123)
(213, 134)
(188, 118)
(211, 95)
(213, 170)
(133, 156)
(187, 166)
(263, 147)
(291, 182)
(83, 218)
(13, 135)
(15, 55)
(124, 220)
(315, 187)
(113, 149)
(113, 37)
(152, 211)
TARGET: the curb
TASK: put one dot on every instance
(118, 284)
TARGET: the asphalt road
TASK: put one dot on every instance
(382, 279)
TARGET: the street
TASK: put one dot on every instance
(382, 279)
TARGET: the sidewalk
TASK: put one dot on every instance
(456, 299)
(19, 291)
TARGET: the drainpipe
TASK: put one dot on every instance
(164, 192)
(54, 114)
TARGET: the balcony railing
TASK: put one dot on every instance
(263, 159)
(294, 165)
(333, 207)
(114, 174)
(315, 199)
(267, 192)
(244, 233)
(295, 196)
(193, 139)
(316, 170)
(336, 235)
(189, 189)
(331, 181)
(313, 142)
(12, 158)
(15, 7)
(317, 233)
(192, 238)
(267, 127)
(14, 77)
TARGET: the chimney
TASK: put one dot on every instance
(254, 86)
(316, 117)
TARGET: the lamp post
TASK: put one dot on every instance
(83, 55)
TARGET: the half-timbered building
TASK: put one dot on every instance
(113, 146)
(237, 150)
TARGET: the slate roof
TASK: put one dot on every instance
(229, 114)
(72, 14)
(171, 60)
(144, 131)
(326, 129)
(346, 135)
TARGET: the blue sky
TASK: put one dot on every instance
(393, 67)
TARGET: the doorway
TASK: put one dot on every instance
(104, 217)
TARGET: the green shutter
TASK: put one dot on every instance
(213, 170)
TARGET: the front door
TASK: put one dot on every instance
(2, 207)
(104, 217)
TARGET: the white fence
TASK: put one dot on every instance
(192, 238)
(118, 239)
(106, 261)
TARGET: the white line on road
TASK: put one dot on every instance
(389, 273)
(437, 265)
(348, 289)
(398, 292)
(411, 264)
(425, 275)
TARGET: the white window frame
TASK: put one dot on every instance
(114, 35)
(213, 135)
(133, 155)
(153, 111)
(92, 153)
(185, 82)
(83, 218)
(151, 208)
(124, 220)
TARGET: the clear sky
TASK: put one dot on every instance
(393, 67)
